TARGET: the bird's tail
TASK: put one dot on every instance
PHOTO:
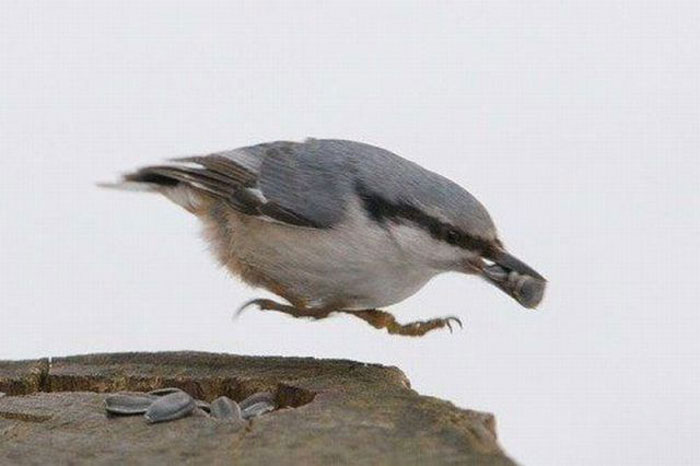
(186, 186)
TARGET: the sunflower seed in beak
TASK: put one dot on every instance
(529, 291)
(496, 273)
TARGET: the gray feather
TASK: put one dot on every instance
(309, 180)
(315, 179)
(311, 183)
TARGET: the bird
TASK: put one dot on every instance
(337, 226)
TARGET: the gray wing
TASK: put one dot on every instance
(311, 183)
(386, 181)
(282, 181)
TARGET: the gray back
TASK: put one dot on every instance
(317, 178)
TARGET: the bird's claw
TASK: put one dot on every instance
(270, 305)
(450, 320)
(262, 304)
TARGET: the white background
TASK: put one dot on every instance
(576, 123)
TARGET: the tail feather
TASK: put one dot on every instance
(182, 185)
(223, 167)
(189, 181)
(192, 181)
(171, 176)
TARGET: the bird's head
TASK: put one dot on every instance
(454, 232)
(447, 248)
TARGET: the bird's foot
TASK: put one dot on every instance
(270, 305)
(382, 319)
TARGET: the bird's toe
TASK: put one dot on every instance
(453, 320)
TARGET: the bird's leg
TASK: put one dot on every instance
(270, 305)
(382, 319)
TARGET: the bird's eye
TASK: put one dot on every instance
(452, 237)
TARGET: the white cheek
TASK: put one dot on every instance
(423, 248)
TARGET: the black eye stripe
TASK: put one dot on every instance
(382, 210)
(452, 236)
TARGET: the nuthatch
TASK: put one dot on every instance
(338, 226)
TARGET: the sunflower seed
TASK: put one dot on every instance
(128, 403)
(529, 291)
(496, 273)
(170, 407)
(257, 409)
(256, 398)
(164, 391)
(203, 405)
(199, 412)
(225, 408)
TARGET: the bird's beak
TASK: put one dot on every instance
(513, 276)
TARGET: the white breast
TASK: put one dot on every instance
(357, 263)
